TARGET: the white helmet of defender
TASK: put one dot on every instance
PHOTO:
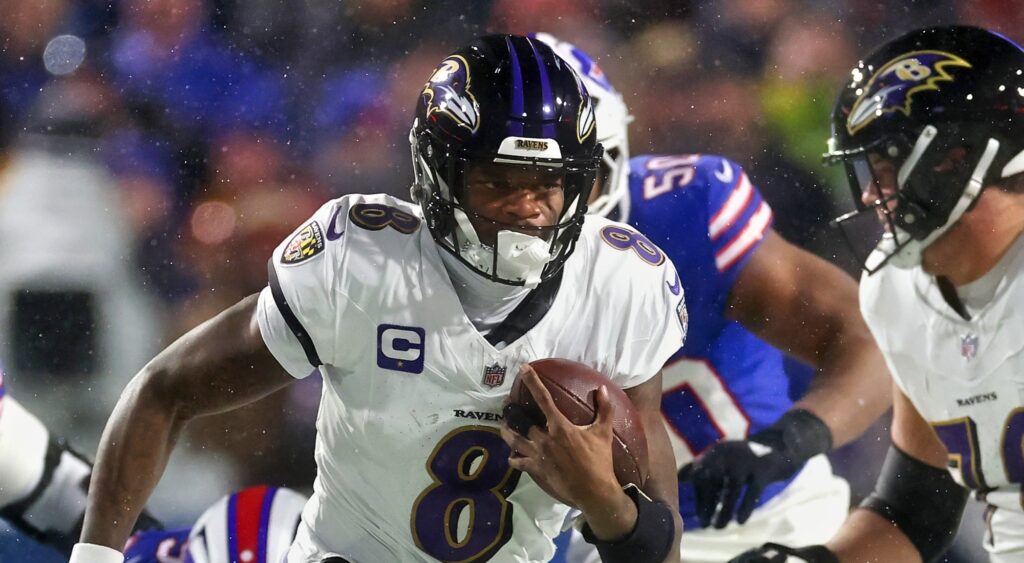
(613, 119)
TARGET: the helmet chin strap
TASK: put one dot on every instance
(908, 254)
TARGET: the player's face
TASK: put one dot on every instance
(879, 186)
(522, 197)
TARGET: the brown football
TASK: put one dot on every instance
(573, 387)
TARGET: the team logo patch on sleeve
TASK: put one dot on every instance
(684, 317)
(306, 243)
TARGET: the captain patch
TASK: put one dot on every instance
(306, 243)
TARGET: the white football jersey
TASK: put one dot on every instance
(966, 378)
(410, 463)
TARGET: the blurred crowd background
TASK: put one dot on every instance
(153, 152)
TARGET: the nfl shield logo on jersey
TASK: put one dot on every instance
(969, 345)
(494, 375)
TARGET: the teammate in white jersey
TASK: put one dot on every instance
(418, 318)
(744, 448)
(931, 130)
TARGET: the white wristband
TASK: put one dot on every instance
(92, 553)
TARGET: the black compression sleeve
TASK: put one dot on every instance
(923, 501)
(651, 538)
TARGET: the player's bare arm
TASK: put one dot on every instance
(808, 307)
(913, 514)
(867, 534)
(220, 365)
(662, 484)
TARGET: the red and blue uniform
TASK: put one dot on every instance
(157, 546)
(725, 382)
(254, 525)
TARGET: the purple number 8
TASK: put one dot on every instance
(471, 473)
(1013, 446)
(621, 238)
(960, 436)
(374, 217)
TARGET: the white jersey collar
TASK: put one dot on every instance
(486, 303)
(980, 292)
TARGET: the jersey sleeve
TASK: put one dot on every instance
(280, 339)
(656, 327)
(872, 308)
(299, 309)
(738, 217)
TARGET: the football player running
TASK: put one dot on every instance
(414, 314)
(745, 451)
(930, 130)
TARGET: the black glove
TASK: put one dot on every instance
(776, 553)
(721, 474)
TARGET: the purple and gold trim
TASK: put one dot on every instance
(376, 217)
(621, 238)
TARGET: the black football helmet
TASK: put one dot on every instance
(910, 102)
(508, 100)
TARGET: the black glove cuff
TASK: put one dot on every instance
(800, 433)
(924, 502)
(651, 538)
(778, 553)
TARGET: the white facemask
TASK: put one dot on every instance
(909, 254)
(521, 257)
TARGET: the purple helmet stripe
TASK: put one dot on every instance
(233, 528)
(261, 534)
(515, 125)
(548, 99)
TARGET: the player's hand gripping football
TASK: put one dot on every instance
(735, 468)
(777, 553)
(571, 463)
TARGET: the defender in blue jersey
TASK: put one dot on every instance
(254, 525)
(744, 448)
